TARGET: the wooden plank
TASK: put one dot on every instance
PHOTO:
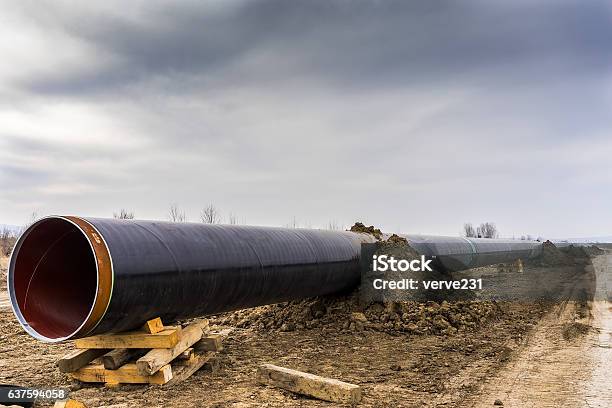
(158, 357)
(184, 369)
(78, 358)
(69, 403)
(327, 389)
(126, 374)
(118, 357)
(153, 326)
(212, 342)
(166, 338)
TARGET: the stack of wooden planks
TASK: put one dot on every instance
(156, 354)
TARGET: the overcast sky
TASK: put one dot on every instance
(413, 116)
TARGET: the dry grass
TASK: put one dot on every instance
(7, 241)
(3, 268)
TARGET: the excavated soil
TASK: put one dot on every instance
(347, 315)
(571, 255)
(360, 227)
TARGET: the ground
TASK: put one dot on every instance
(529, 354)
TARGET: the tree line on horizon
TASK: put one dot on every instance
(484, 230)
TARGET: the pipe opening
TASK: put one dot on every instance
(53, 279)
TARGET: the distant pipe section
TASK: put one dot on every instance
(71, 277)
(457, 253)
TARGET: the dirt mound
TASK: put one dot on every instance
(359, 227)
(593, 250)
(553, 256)
(576, 251)
(346, 314)
(584, 251)
(396, 239)
(398, 248)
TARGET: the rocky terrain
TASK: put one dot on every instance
(346, 315)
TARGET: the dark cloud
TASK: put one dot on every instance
(349, 44)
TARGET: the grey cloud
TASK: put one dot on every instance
(13, 176)
(347, 44)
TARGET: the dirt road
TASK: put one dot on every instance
(566, 360)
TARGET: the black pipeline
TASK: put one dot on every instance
(70, 277)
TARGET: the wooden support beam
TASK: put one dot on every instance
(327, 389)
(78, 358)
(184, 369)
(211, 342)
(153, 326)
(128, 373)
(118, 357)
(166, 338)
(158, 357)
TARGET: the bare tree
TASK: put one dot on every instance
(487, 230)
(293, 224)
(468, 230)
(5, 232)
(232, 219)
(333, 226)
(124, 215)
(33, 218)
(491, 230)
(176, 214)
(8, 237)
(210, 215)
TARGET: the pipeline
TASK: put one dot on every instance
(71, 277)
(459, 253)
